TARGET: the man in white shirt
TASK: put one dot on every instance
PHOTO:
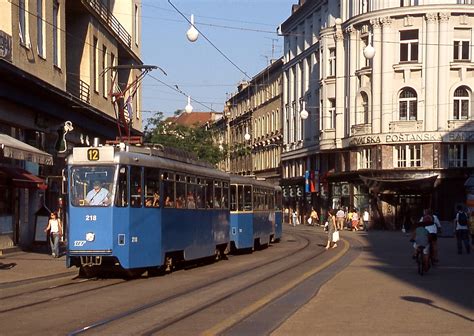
(340, 216)
(98, 195)
(365, 219)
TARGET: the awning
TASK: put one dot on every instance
(16, 149)
(21, 178)
(388, 186)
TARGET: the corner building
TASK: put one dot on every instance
(52, 59)
(394, 132)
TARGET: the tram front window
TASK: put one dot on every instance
(92, 186)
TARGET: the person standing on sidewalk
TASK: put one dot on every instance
(365, 219)
(55, 229)
(462, 233)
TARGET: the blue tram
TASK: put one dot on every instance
(143, 208)
(255, 213)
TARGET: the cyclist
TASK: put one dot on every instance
(421, 240)
(433, 227)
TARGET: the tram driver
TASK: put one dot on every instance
(98, 195)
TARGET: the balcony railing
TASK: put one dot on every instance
(110, 20)
(79, 89)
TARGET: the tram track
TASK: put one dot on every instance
(54, 297)
(74, 292)
(202, 288)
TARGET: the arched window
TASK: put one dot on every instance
(461, 103)
(365, 107)
(408, 104)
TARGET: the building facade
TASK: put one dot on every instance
(252, 119)
(54, 94)
(394, 103)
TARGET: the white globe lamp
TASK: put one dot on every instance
(192, 34)
(303, 113)
(189, 107)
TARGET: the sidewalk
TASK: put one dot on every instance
(381, 293)
(24, 266)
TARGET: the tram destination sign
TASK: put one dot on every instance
(395, 138)
(91, 154)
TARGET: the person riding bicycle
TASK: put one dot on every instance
(421, 240)
(433, 228)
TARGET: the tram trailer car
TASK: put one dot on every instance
(255, 217)
(156, 209)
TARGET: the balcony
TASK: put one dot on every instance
(109, 20)
(78, 88)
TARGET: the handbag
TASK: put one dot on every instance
(335, 236)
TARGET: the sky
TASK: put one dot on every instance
(243, 30)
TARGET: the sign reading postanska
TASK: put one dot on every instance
(397, 138)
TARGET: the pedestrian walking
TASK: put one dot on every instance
(340, 217)
(355, 220)
(365, 219)
(331, 229)
(294, 217)
(462, 233)
(313, 217)
(55, 230)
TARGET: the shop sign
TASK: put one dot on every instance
(422, 137)
(5, 46)
(345, 189)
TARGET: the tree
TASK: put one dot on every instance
(197, 139)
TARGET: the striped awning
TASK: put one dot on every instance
(16, 149)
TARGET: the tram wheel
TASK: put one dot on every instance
(88, 271)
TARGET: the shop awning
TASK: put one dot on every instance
(16, 149)
(21, 178)
(387, 186)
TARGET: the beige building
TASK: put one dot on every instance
(253, 125)
(52, 60)
(394, 88)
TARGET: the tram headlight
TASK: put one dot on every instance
(90, 236)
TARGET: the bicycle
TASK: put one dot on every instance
(419, 260)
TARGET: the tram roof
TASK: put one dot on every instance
(239, 179)
(146, 157)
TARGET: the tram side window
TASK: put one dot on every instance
(180, 191)
(168, 190)
(225, 195)
(191, 193)
(247, 198)
(210, 194)
(201, 194)
(152, 188)
(240, 199)
(278, 200)
(217, 194)
(233, 197)
(121, 196)
(136, 200)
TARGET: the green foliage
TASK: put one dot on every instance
(197, 140)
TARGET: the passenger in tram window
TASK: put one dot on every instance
(190, 201)
(168, 202)
(180, 202)
(199, 202)
(153, 201)
(216, 203)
